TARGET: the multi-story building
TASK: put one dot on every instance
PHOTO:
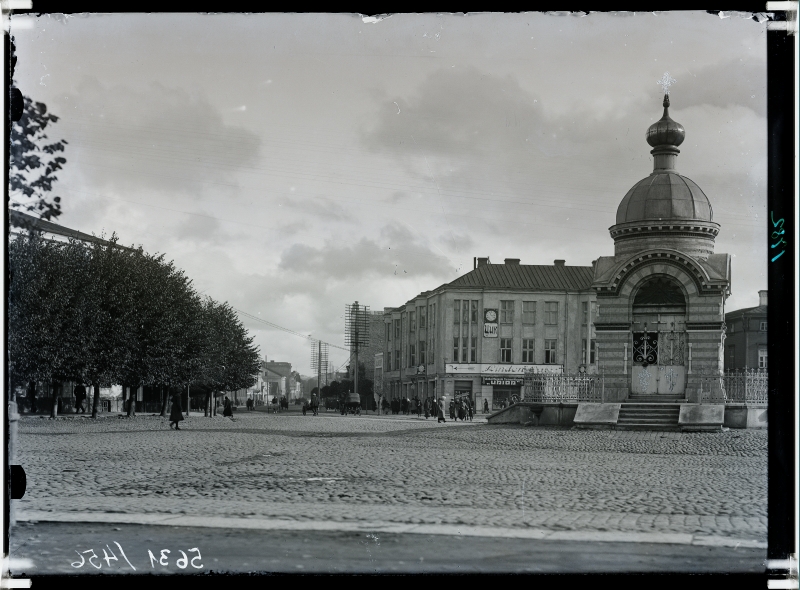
(746, 336)
(476, 336)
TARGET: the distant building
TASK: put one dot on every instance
(746, 336)
(476, 336)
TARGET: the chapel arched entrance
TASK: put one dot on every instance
(658, 338)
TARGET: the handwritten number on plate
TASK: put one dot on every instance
(107, 558)
(94, 556)
(123, 555)
(164, 561)
(182, 560)
(79, 565)
(198, 557)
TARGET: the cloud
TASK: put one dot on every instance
(397, 253)
(737, 82)
(200, 229)
(153, 138)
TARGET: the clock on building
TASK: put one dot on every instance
(490, 315)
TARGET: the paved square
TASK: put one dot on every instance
(401, 470)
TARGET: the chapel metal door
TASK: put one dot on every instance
(659, 357)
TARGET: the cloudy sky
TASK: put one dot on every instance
(294, 163)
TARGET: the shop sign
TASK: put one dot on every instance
(503, 381)
(498, 369)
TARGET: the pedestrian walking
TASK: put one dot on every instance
(469, 411)
(227, 408)
(452, 410)
(80, 396)
(427, 407)
(275, 404)
(440, 411)
(418, 405)
(176, 413)
(462, 411)
(485, 406)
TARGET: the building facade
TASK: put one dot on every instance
(746, 337)
(661, 297)
(476, 336)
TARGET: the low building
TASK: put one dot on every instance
(746, 336)
(476, 336)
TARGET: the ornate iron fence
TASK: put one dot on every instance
(562, 388)
(748, 386)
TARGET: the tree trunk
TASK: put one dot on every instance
(124, 398)
(164, 401)
(207, 405)
(95, 399)
(54, 405)
(32, 396)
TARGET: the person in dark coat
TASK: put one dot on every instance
(80, 397)
(485, 406)
(228, 408)
(452, 410)
(427, 407)
(176, 414)
(462, 411)
(469, 411)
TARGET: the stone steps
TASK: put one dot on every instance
(649, 416)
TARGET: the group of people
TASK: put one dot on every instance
(461, 409)
(313, 405)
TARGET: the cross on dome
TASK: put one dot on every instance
(666, 81)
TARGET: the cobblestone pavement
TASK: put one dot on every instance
(400, 469)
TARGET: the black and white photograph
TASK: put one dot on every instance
(309, 293)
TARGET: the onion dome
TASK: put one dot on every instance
(665, 208)
(665, 131)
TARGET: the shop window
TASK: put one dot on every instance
(527, 350)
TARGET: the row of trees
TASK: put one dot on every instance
(101, 314)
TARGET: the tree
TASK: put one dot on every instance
(33, 161)
(45, 322)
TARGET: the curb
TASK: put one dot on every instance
(274, 524)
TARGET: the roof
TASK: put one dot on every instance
(25, 221)
(527, 276)
(758, 310)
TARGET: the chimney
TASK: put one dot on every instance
(483, 261)
(559, 262)
(512, 261)
(762, 298)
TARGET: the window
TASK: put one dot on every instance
(397, 360)
(762, 358)
(527, 350)
(412, 358)
(464, 349)
(505, 350)
(473, 350)
(422, 352)
(590, 352)
(730, 357)
(389, 360)
(550, 352)
(762, 326)
(412, 321)
(593, 308)
(455, 349)
(506, 312)
(473, 316)
(397, 329)
(585, 306)
(433, 315)
(388, 334)
(456, 311)
(528, 312)
(551, 313)
(421, 317)
(732, 328)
